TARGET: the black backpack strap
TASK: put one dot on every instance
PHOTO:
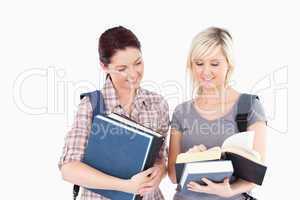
(248, 197)
(75, 191)
(243, 110)
(98, 107)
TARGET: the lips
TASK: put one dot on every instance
(207, 79)
(132, 82)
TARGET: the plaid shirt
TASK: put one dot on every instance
(148, 108)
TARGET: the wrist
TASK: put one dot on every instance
(123, 185)
(231, 193)
(162, 168)
(234, 191)
(241, 186)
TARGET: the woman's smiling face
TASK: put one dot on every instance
(210, 71)
(126, 68)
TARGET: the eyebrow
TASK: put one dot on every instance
(119, 66)
(216, 59)
(137, 59)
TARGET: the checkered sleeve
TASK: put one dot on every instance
(76, 138)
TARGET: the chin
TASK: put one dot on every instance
(208, 85)
(132, 85)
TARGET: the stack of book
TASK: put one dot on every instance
(235, 158)
(122, 148)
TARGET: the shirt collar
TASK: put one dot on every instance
(111, 98)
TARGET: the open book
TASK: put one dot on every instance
(238, 148)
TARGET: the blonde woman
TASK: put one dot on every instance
(209, 118)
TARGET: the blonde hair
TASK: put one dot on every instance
(205, 43)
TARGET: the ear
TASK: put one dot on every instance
(104, 67)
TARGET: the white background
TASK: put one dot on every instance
(48, 55)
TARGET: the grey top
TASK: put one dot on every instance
(197, 130)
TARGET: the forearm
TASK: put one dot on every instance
(86, 176)
(160, 160)
(240, 186)
(161, 163)
(172, 173)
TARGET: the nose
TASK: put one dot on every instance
(206, 71)
(132, 73)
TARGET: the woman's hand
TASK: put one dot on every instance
(134, 184)
(197, 148)
(155, 179)
(221, 189)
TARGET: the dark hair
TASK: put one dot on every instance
(113, 39)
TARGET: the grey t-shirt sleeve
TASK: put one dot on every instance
(176, 121)
(257, 113)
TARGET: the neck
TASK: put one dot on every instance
(214, 95)
(126, 97)
(124, 93)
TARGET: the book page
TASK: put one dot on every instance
(246, 153)
(210, 154)
(133, 124)
(242, 139)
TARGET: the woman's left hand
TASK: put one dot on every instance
(156, 177)
(220, 189)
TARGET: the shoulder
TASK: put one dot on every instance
(85, 105)
(253, 100)
(183, 107)
(257, 106)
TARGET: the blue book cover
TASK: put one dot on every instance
(120, 148)
(215, 171)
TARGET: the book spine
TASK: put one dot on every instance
(153, 152)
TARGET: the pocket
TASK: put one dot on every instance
(150, 119)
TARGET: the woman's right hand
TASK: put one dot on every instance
(197, 148)
(136, 181)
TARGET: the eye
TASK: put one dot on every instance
(121, 69)
(138, 63)
(215, 64)
(199, 64)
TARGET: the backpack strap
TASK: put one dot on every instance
(97, 102)
(98, 106)
(243, 110)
